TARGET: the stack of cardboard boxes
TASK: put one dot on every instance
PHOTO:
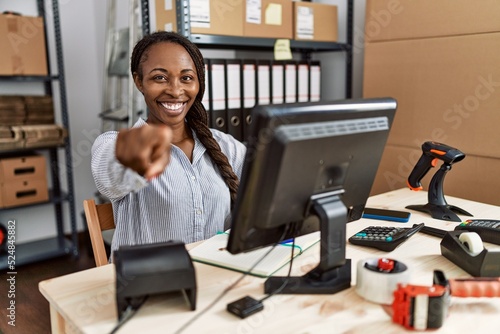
(19, 110)
(439, 59)
(23, 181)
(266, 19)
(28, 122)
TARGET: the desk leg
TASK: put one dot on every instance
(56, 321)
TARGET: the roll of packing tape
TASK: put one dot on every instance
(472, 241)
(378, 278)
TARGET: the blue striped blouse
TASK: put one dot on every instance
(189, 201)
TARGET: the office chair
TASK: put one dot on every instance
(99, 218)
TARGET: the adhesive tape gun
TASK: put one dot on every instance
(377, 278)
(426, 307)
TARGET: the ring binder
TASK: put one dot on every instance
(290, 81)
(234, 97)
(263, 82)
(217, 96)
(249, 88)
(278, 82)
(303, 84)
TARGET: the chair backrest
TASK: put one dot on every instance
(99, 218)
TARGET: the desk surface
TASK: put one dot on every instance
(85, 301)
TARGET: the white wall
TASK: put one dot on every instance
(83, 31)
(83, 24)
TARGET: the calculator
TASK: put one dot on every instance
(385, 238)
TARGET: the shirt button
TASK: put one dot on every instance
(199, 212)
(193, 177)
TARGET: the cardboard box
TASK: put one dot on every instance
(274, 19)
(31, 136)
(474, 177)
(22, 168)
(19, 110)
(10, 140)
(39, 109)
(406, 19)
(23, 192)
(447, 91)
(12, 110)
(165, 15)
(212, 17)
(22, 41)
(444, 75)
(315, 22)
(43, 135)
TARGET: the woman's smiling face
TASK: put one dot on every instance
(169, 83)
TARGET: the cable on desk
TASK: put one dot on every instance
(435, 232)
(127, 315)
(226, 290)
(285, 282)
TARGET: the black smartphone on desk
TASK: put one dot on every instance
(384, 214)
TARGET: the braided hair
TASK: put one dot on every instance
(197, 117)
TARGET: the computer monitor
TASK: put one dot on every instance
(309, 166)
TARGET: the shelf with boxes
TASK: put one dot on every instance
(34, 150)
(23, 183)
(255, 25)
(307, 27)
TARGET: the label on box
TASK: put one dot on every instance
(274, 14)
(168, 5)
(305, 22)
(200, 13)
(253, 12)
(168, 27)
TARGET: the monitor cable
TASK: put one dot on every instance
(226, 290)
(285, 281)
(246, 306)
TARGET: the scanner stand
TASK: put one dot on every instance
(437, 206)
(333, 273)
(484, 264)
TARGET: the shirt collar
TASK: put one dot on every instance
(199, 148)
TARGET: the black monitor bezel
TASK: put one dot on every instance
(265, 119)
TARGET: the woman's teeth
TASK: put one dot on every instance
(172, 106)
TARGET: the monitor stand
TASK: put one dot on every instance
(333, 272)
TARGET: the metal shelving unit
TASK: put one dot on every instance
(59, 245)
(305, 48)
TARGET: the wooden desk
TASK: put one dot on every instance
(85, 301)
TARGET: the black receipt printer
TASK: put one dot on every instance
(144, 270)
